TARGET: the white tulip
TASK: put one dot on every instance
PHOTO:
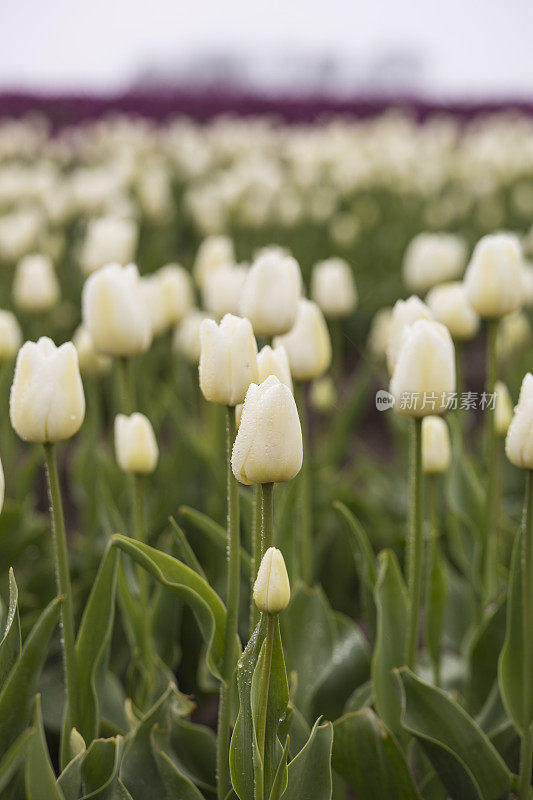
(274, 361)
(514, 332)
(135, 444)
(503, 409)
(223, 288)
(271, 293)
(272, 590)
(333, 288)
(268, 447)
(177, 292)
(449, 304)
(115, 312)
(10, 336)
(228, 359)
(186, 339)
(308, 344)
(47, 403)
(519, 441)
(214, 252)
(436, 446)
(91, 363)
(424, 374)
(380, 331)
(494, 277)
(404, 313)
(323, 395)
(19, 233)
(433, 258)
(35, 285)
(108, 240)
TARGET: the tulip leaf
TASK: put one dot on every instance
(13, 758)
(370, 759)
(207, 606)
(10, 644)
(309, 773)
(462, 755)
(192, 749)
(100, 770)
(18, 692)
(361, 546)
(389, 650)
(174, 781)
(39, 773)
(484, 651)
(215, 533)
(185, 551)
(437, 590)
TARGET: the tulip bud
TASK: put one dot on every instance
(519, 441)
(450, 305)
(271, 292)
(108, 240)
(223, 288)
(404, 313)
(214, 252)
(380, 330)
(35, 285)
(494, 278)
(436, 447)
(307, 344)
(114, 311)
(272, 590)
(323, 396)
(333, 288)
(424, 375)
(91, 363)
(503, 409)
(433, 258)
(186, 339)
(514, 332)
(268, 447)
(228, 359)
(177, 292)
(274, 361)
(47, 402)
(10, 336)
(135, 445)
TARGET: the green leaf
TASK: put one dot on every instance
(10, 644)
(185, 551)
(14, 757)
(437, 590)
(39, 774)
(192, 748)
(215, 533)
(484, 651)
(279, 783)
(309, 773)
(176, 784)
(92, 645)
(389, 650)
(461, 754)
(361, 546)
(17, 695)
(370, 760)
(100, 770)
(207, 606)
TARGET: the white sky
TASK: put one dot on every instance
(470, 47)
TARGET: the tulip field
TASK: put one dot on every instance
(266, 526)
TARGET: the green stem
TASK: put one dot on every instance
(415, 543)
(526, 751)
(264, 688)
(64, 588)
(257, 518)
(305, 557)
(139, 533)
(232, 602)
(490, 565)
(267, 528)
(125, 384)
(433, 555)
(335, 328)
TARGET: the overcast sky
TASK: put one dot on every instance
(469, 47)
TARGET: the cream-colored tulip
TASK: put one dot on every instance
(379, 334)
(514, 333)
(308, 343)
(186, 339)
(222, 290)
(35, 285)
(424, 375)
(271, 293)
(436, 446)
(115, 312)
(449, 304)
(494, 278)
(274, 361)
(177, 291)
(268, 447)
(135, 444)
(10, 336)
(272, 590)
(47, 403)
(92, 364)
(433, 258)
(519, 441)
(214, 252)
(333, 288)
(503, 408)
(228, 359)
(404, 313)
(108, 240)
(323, 395)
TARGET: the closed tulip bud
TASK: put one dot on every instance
(424, 375)
(186, 339)
(308, 344)
(436, 447)
(91, 363)
(177, 292)
(223, 290)
(115, 312)
(268, 447)
(271, 293)
(379, 335)
(333, 288)
(450, 305)
(433, 258)
(108, 240)
(35, 285)
(272, 590)
(228, 360)
(519, 441)
(494, 278)
(404, 313)
(503, 409)
(135, 445)
(514, 331)
(10, 336)
(323, 395)
(47, 402)
(214, 252)
(274, 361)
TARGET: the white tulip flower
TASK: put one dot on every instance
(449, 304)
(228, 359)
(433, 258)
(404, 313)
(186, 338)
(436, 446)
(10, 336)
(503, 409)
(214, 252)
(272, 590)
(494, 278)
(108, 240)
(519, 441)
(274, 361)
(135, 444)
(308, 343)
(35, 285)
(271, 293)
(333, 288)
(223, 288)
(91, 363)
